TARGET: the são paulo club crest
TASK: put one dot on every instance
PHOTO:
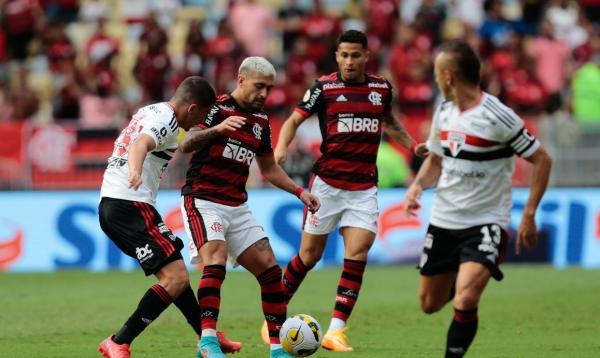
(455, 141)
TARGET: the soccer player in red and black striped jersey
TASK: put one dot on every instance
(353, 108)
(473, 141)
(128, 217)
(216, 216)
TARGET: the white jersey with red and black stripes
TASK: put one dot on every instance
(477, 147)
(159, 122)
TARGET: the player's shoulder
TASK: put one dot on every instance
(161, 112)
(443, 106)
(377, 81)
(332, 77)
(496, 111)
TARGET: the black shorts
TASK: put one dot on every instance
(138, 230)
(445, 250)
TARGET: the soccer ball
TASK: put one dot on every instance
(300, 335)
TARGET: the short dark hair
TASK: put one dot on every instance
(196, 89)
(464, 62)
(353, 36)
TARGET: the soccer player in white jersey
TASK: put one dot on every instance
(128, 217)
(472, 144)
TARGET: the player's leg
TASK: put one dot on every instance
(481, 253)
(435, 291)
(259, 260)
(470, 283)
(138, 230)
(357, 242)
(311, 251)
(205, 224)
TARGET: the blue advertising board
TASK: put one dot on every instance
(47, 231)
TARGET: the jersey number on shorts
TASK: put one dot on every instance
(490, 241)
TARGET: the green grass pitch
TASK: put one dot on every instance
(537, 311)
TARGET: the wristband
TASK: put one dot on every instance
(413, 147)
(298, 191)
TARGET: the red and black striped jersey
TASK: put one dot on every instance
(218, 172)
(350, 116)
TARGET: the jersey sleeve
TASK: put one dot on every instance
(160, 128)
(514, 134)
(388, 100)
(213, 118)
(434, 143)
(266, 148)
(313, 100)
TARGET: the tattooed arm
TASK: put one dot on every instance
(197, 138)
(397, 132)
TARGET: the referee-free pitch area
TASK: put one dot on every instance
(537, 311)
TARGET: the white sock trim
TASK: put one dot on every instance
(336, 324)
(275, 346)
(209, 332)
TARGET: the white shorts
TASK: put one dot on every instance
(352, 208)
(207, 221)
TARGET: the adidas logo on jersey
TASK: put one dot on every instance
(341, 98)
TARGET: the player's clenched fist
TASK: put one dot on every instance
(231, 124)
(411, 202)
(311, 201)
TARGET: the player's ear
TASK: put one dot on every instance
(367, 54)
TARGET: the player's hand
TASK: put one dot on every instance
(411, 201)
(527, 234)
(311, 201)
(135, 180)
(280, 155)
(421, 150)
(231, 124)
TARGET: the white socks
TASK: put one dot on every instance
(336, 324)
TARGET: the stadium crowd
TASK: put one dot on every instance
(92, 62)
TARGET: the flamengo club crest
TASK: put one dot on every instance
(375, 98)
(257, 130)
(455, 141)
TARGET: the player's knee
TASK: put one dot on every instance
(311, 256)
(467, 299)
(429, 304)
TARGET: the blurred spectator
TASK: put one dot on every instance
(496, 28)
(586, 86)
(224, 52)
(381, 19)
(58, 48)
(192, 61)
(251, 22)
(94, 10)
(407, 50)
(321, 31)
(290, 19)
(100, 46)
(552, 58)
(416, 94)
(299, 67)
(24, 100)
(20, 20)
(153, 65)
(430, 17)
(565, 17)
(60, 10)
(523, 91)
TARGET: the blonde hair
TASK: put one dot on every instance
(257, 64)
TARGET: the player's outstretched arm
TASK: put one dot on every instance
(278, 177)
(397, 132)
(286, 134)
(527, 233)
(197, 137)
(427, 176)
(135, 159)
